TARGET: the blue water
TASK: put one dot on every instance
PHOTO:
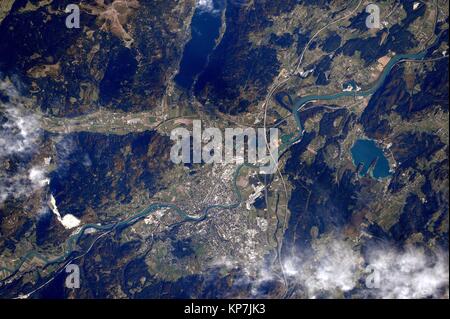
(350, 83)
(301, 101)
(365, 152)
(205, 30)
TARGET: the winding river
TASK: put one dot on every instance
(72, 241)
(300, 102)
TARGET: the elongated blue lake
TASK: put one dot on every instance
(205, 30)
(370, 156)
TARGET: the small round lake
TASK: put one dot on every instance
(371, 157)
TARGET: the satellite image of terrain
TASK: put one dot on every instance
(93, 204)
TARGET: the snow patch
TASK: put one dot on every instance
(206, 5)
(68, 221)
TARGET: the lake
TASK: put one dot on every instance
(205, 30)
(369, 156)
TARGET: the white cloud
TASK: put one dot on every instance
(335, 266)
(410, 273)
(207, 6)
(19, 130)
(38, 178)
(22, 182)
(223, 262)
(19, 135)
(331, 267)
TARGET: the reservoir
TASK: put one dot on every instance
(369, 157)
